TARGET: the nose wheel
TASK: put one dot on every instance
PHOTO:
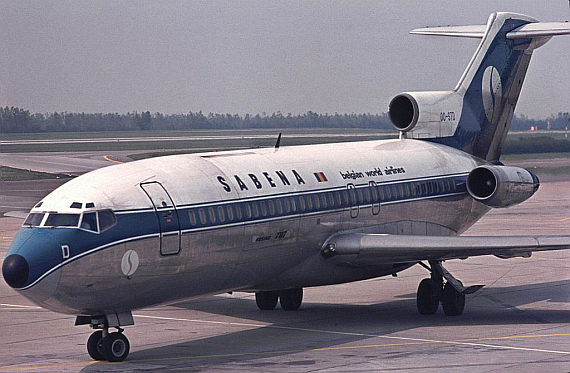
(113, 347)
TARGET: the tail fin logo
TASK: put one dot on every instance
(492, 93)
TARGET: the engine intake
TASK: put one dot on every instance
(403, 112)
(501, 186)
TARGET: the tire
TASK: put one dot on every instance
(115, 347)
(266, 300)
(453, 301)
(94, 347)
(291, 299)
(426, 298)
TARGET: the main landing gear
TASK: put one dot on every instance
(103, 345)
(290, 299)
(432, 291)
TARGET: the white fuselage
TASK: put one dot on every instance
(191, 225)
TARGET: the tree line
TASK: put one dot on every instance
(18, 120)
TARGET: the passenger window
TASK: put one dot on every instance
(34, 220)
(106, 220)
(360, 196)
(309, 203)
(324, 202)
(388, 192)
(447, 185)
(352, 193)
(192, 215)
(425, 188)
(394, 191)
(62, 220)
(374, 193)
(238, 212)
(317, 203)
(287, 204)
(271, 205)
(331, 199)
(248, 211)
(255, 209)
(345, 198)
(212, 214)
(221, 214)
(230, 211)
(202, 215)
(263, 208)
(279, 206)
(338, 198)
(89, 221)
(381, 192)
(413, 189)
(441, 186)
(367, 195)
(407, 189)
(293, 204)
(302, 203)
(430, 185)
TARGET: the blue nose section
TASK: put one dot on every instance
(15, 270)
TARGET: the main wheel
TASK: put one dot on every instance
(291, 299)
(94, 346)
(266, 300)
(426, 298)
(452, 300)
(115, 347)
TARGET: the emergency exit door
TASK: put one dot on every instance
(167, 216)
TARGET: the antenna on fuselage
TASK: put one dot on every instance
(278, 142)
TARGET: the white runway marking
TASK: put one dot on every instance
(421, 340)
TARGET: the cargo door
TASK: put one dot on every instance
(167, 217)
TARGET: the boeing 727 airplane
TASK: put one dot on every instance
(273, 221)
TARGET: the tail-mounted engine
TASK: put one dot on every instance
(426, 114)
(501, 186)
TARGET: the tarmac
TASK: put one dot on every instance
(520, 321)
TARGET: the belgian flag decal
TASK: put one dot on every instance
(320, 176)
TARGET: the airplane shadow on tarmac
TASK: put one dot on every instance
(339, 324)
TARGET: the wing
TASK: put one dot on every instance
(362, 249)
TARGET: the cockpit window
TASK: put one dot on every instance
(106, 220)
(62, 220)
(33, 220)
(89, 221)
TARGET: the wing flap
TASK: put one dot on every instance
(362, 249)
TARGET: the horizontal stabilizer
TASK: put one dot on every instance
(362, 249)
(473, 31)
(530, 30)
(540, 29)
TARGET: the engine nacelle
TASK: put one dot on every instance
(426, 114)
(501, 186)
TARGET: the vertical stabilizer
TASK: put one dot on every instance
(491, 84)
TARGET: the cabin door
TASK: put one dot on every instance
(167, 217)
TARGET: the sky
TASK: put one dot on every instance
(246, 56)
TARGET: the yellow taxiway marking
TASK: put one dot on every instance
(565, 219)
(322, 349)
(107, 158)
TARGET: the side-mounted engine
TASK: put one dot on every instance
(501, 186)
(426, 114)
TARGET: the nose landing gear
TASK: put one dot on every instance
(105, 346)
(114, 347)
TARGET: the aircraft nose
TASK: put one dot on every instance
(15, 270)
